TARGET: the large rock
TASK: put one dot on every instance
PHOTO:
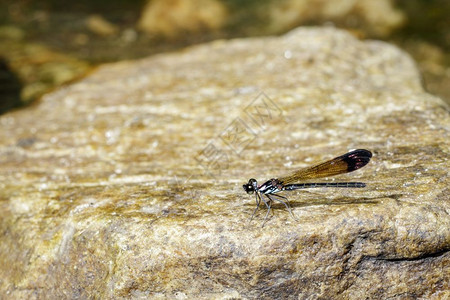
(129, 182)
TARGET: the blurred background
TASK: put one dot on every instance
(48, 43)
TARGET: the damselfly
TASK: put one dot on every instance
(346, 163)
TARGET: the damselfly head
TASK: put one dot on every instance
(251, 186)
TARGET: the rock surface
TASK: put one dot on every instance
(129, 182)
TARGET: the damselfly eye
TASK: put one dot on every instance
(251, 186)
(248, 188)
